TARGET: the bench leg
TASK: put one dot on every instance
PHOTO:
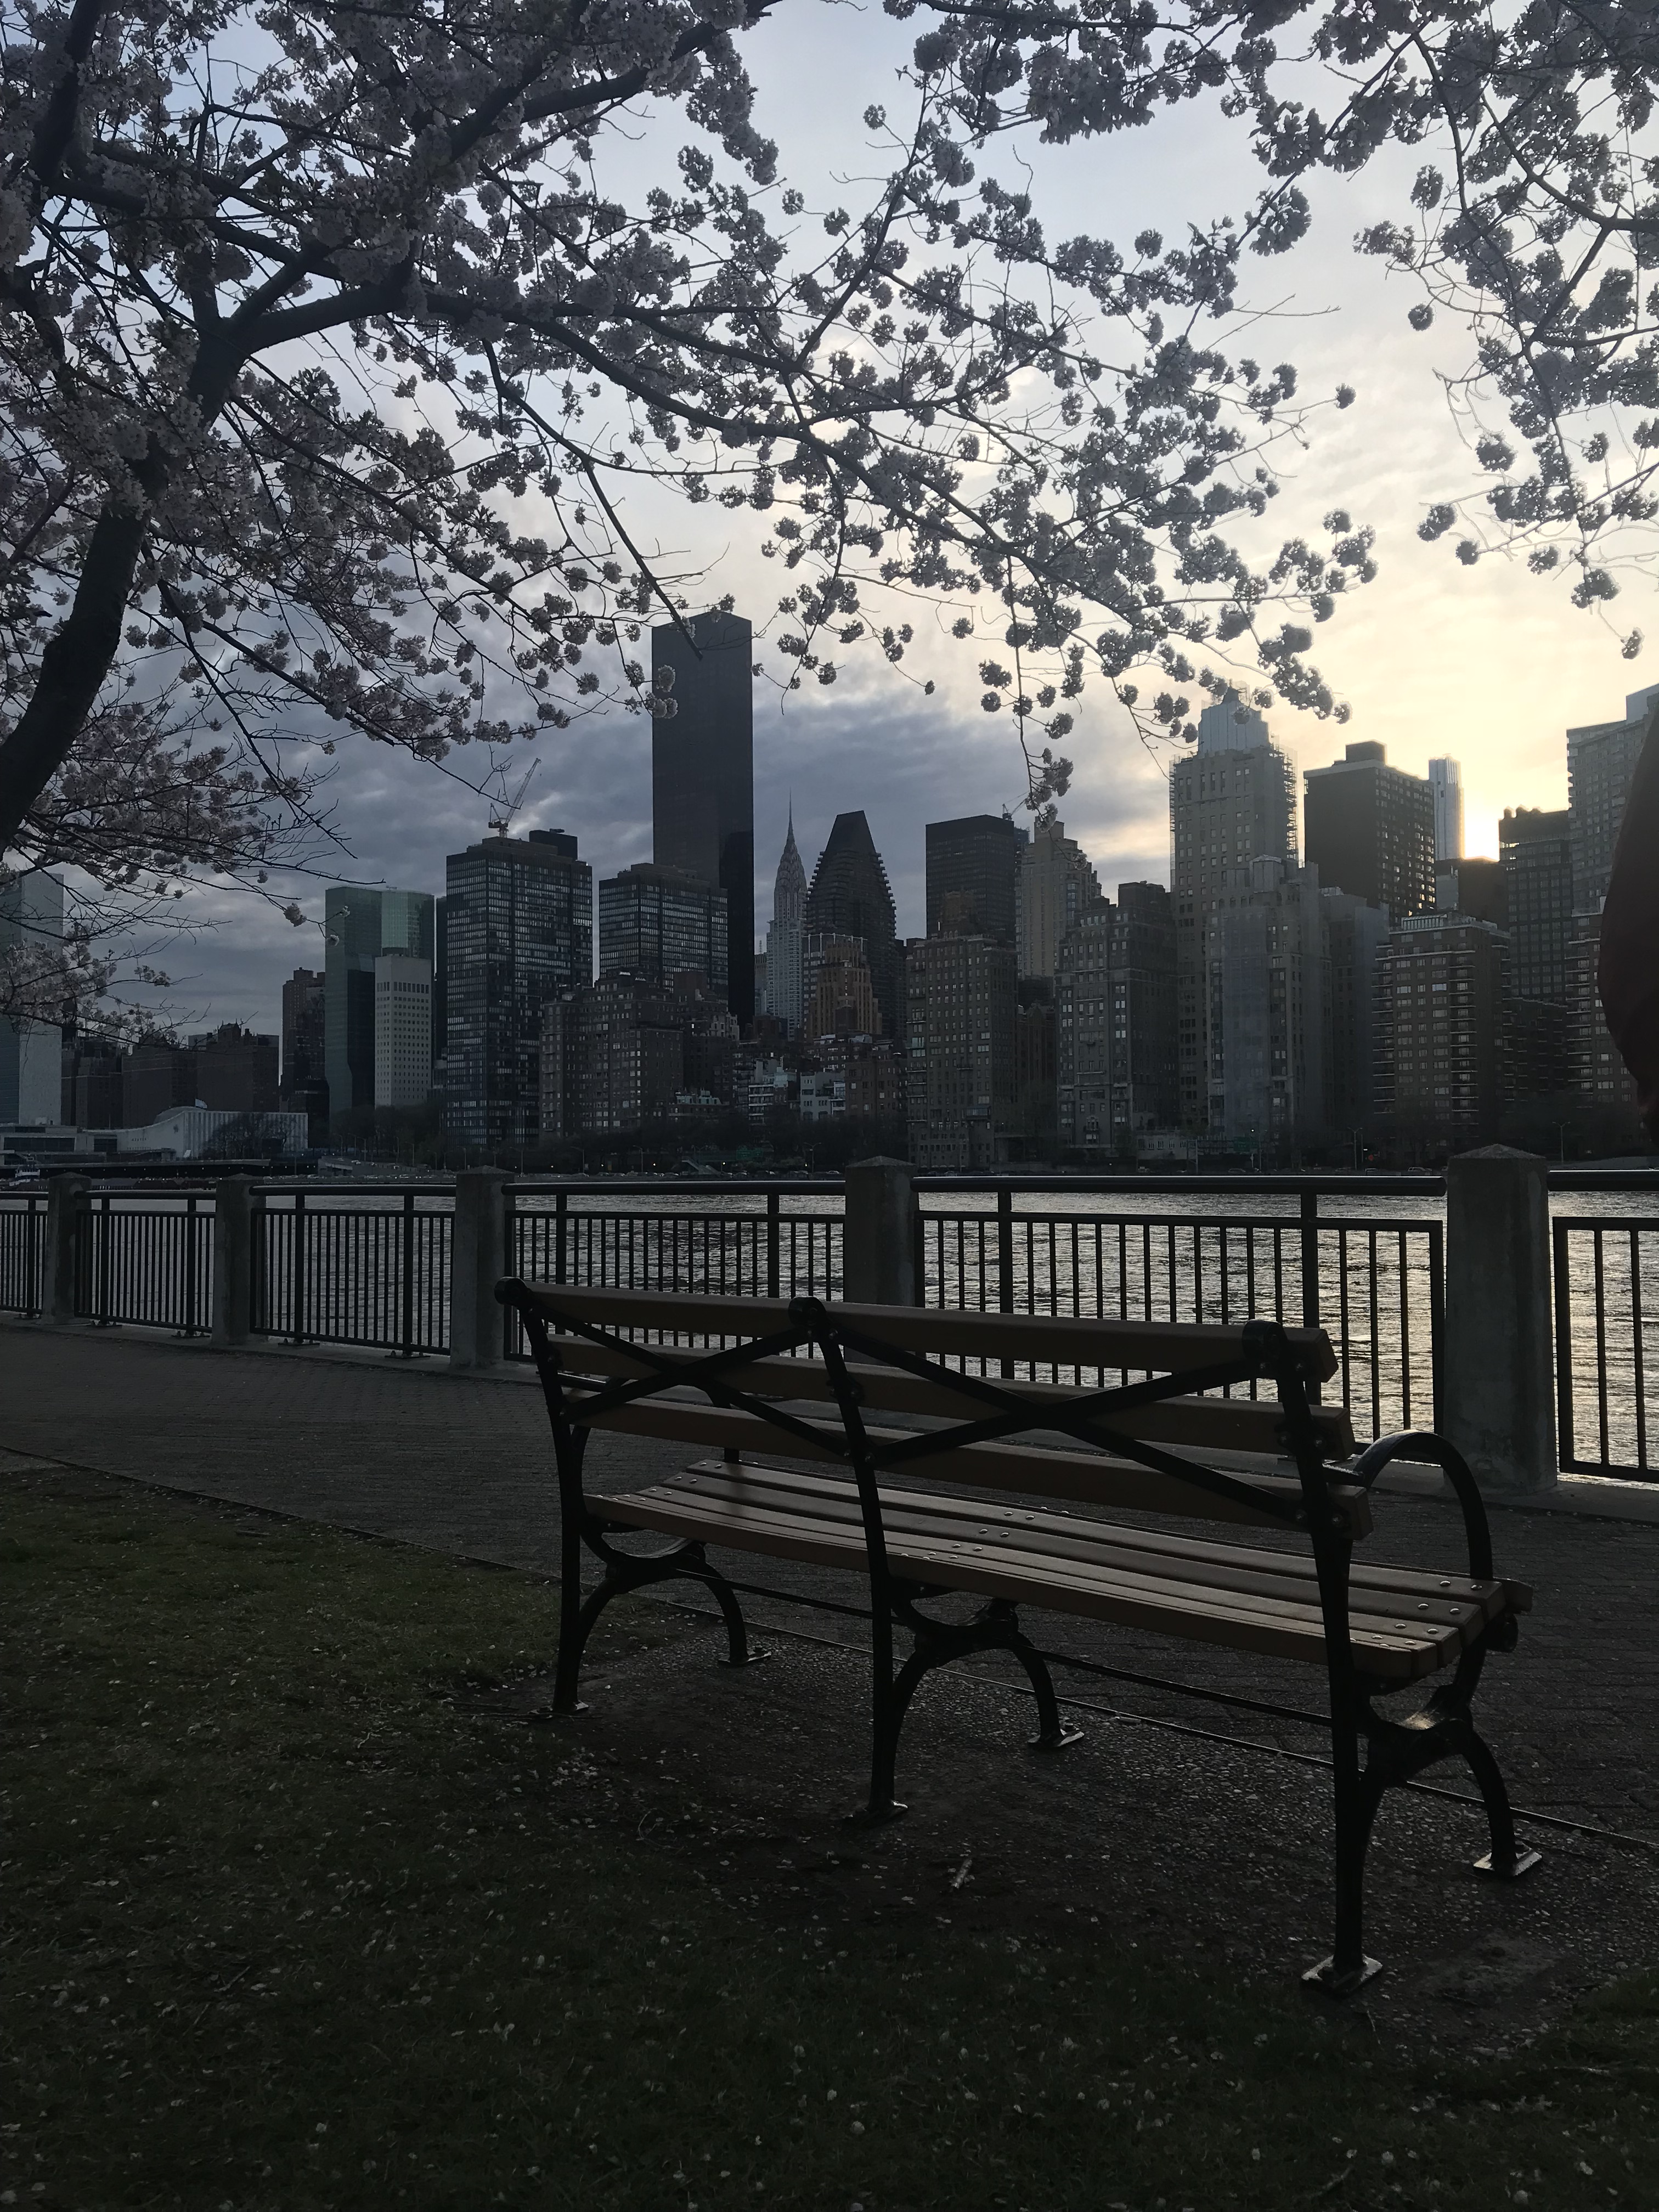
(1358, 1796)
(575, 1626)
(1505, 1861)
(739, 1650)
(892, 1702)
(1052, 1733)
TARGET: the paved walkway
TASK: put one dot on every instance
(463, 1464)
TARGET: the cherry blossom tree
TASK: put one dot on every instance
(342, 348)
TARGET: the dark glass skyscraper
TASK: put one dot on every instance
(702, 775)
(851, 898)
(978, 856)
(360, 923)
(519, 932)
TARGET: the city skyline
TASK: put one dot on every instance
(1264, 976)
(1231, 733)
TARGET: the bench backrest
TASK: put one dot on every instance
(604, 1343)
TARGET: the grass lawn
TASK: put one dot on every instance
(288, 1927)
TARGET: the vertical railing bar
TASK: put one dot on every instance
(1637, 1361)
(1376, 1352)
(1601, 1345)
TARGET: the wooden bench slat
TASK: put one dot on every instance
(1375, 1586)
(1208, 1424)
(1064, 1340)
(1245, 1573)
(1091, 1478)
(1280, 1628)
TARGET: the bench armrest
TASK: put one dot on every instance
(1421, 1444)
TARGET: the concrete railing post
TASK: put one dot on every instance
(477, 1260)
(66, 1219)
(1498, 1385)
(233, 1259)
(878, 1258)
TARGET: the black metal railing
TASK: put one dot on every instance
(353, 1271)
(1607, 1341)
(1377, 1286)
(369, 1265)
(146, 1262)
(22, 1252)
(777, 1241)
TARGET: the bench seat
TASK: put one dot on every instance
(1406, 1624)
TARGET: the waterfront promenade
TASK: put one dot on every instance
(459, 1463)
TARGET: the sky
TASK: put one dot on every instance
(1488, 665)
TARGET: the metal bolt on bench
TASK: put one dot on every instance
(801, 1379)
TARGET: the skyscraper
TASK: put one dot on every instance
(702, 775)
(31, 1050)
(1535, 849)
(961, 1003)
(1441, 1029)
(519, 931)
(1446, 788)
(403, 1030)
(850, 898)
(1601, 759)
(842, 1001)
(359, 924)
(659, 923)
(612, 1058)
(1231, 802)
(977, 856)
(1355, 934)
(1369, 831)
(1267, 958)
(304, 1090)
(784, 983)
(1054, 884)
(1116, 1074)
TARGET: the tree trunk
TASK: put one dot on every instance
(73, 666)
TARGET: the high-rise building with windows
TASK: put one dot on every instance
(1054, 884)
(976, 857)
(1232, 801)
(31, 1050)
(1479, 888)
(1601, 759)
(1535, 849)
(1369, 829)
(612, 1058)
(841, 999)
(403, 1030)
(1446, 789)
(1595, 1066)
(1355, 934)
(703, 773)
(1117, 1069)
(850, 898)
(1442, 1030)
(1267, 981)
(960, 1006)
(304, 1086)
(519, 931)
(659, 923)
(785, 978)
(360, 923)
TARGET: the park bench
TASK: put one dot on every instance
(947, 1458)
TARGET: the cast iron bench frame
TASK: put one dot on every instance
(750, 1384)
